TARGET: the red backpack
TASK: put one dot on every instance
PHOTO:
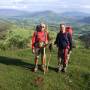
(69, 30)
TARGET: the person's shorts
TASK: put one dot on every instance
(39, 51)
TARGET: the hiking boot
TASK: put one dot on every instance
(63, 70)
(35, 69)
(46, 68)
(59, 68)
(43, 68)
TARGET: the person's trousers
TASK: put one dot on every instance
(62, 57)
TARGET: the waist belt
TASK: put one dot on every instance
(39, 44)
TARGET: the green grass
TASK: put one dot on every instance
(16, 72)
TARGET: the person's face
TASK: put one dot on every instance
(42, 27)
(62, 28)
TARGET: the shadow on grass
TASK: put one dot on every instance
(19, 62)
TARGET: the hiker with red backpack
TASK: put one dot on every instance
(39, 42)
(62, 42)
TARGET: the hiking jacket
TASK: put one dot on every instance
(41, 36)
(61, 35)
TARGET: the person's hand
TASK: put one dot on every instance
(54, 43)
(70, 52)
(33, 51)
(46, 42)
(68, 47)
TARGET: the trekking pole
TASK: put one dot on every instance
(48, 62)
(50, 49)
(46, 69)
(44, 58)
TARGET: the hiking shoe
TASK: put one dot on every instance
(43, 68)
(63, 70)
(35, 69)
(59, 68)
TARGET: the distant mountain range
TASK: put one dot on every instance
(48, 16)
(85, 20)
(11, 12)
(75, 14)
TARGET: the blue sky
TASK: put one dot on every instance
(41, 5)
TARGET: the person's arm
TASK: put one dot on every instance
(33, 42)
(56, 41)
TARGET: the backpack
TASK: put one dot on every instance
(38, 28)
(63, 40)
(69, 30)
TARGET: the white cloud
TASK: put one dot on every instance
(19, 7)
(86, 6)
(37, 5)
(17, 0)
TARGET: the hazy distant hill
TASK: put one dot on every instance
(45, 16)
(77, 15)
(85, 20)
(11, 12)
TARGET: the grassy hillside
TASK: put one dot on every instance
(16, 72)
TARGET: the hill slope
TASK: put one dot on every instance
(16, 74)
(85, 20)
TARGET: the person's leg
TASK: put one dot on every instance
(68, 56)
(65, 59)
(36, 63)
(59, 59)
(37, 51)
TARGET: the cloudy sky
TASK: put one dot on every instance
(41, 5)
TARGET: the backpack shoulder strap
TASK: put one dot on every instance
(45, 33)
(36, 35)
(66, 36)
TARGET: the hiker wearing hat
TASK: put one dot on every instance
(39, 42)
(62, 42)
